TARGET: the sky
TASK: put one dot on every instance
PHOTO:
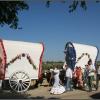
(55, 26)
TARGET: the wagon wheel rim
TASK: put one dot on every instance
(19, 81)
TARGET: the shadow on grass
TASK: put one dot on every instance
(53, 98)
(95, 96)
(37, 97)
(42, 97)
(11, 95)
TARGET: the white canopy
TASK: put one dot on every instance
(84, 53)
(18, 55)
(79, 54)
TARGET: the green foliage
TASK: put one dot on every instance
(52, 65)
(9, 12)
(74, 4)
(98, 63)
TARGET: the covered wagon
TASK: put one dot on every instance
(78, 54)
(21, 63)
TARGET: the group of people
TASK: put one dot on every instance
(77, 78)
(61, 80)
(67, 79)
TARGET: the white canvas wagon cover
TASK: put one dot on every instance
(79, 54)
(21, 56)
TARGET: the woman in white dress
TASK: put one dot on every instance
(57, 87)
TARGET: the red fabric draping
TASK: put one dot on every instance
(3, 63)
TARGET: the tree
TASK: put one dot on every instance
(9, 12)
(74, 4)
(52, 64)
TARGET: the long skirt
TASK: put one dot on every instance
(57, 89)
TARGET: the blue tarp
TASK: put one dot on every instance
(70, 53)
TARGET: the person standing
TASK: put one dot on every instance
(48, 76)
(90, 69)
(51, 82)
(62, 76)
(77, 77)
(57, 87)
(56, 77)
(97, 77)
(68, 78)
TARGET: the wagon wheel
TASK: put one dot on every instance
(19, 82)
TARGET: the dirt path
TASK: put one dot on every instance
(42, 92)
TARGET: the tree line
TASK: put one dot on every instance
(52, 64)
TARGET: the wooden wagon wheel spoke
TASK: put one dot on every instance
(25, 81)
(25, 78)
(19, 87)
(23, 75)
(15, 76)
(14, 84)
(13, 81)
(25, 84)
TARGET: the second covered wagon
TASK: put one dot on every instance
(78, 54)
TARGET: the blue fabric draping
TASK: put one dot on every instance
(70, 55)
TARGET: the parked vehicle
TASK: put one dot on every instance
(22, 63)
(78, 54)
